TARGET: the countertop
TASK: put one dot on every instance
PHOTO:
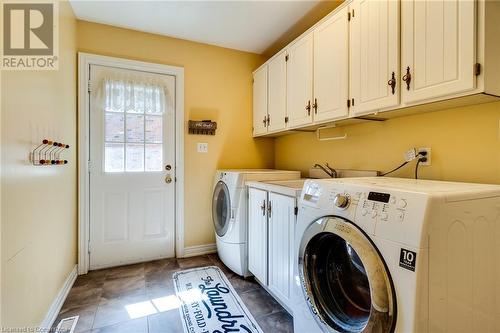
(291, 188)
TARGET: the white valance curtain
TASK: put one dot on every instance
(134, 95)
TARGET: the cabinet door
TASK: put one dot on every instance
(331, 68)
(438, 44)
(299, 82)
(374, 44)
(260, 101)
(281, 237)
(257, 233)
(277, 92)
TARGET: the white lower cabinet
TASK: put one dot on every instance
(281, 228)
(271, 228)
(257, 233)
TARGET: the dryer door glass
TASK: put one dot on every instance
(345, 279)
(221, 208)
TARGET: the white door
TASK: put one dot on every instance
(438, 44)
(374, 65)
(277, 92)
(300, 82)
(257, 233)
(132, 166)
(260, 101)
(331, 68)
(281, 239)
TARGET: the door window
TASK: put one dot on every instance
(133, 123)
(341, 287)
(221, 208)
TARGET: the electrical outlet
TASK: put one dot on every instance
(428, 150)
(410, 155)
(202, 147)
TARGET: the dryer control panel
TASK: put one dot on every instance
(384, 206)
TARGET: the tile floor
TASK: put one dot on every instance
(101, 298)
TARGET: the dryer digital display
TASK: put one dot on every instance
(380, 197)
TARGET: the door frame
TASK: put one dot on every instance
(84, 62)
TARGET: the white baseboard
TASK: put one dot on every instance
(58, 302)
(199, 250)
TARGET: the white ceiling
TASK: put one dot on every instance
(243, 25)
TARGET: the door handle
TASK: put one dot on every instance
(392, 83)
(315, 106)
(308, 108)
(407, 78)
(168, 179)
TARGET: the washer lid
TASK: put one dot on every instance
(344, 279)
(221, 208)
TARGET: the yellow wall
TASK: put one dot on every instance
(218, 86)
(465, 145)
(38, 203)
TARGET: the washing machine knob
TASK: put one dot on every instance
(341, 201)
(402, 203)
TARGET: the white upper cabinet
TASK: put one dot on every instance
(438, 48)
(331, 68)
(260, 101)
(299, 82)
(374, 55)
(277, 92)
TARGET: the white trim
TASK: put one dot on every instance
(84, 62)
(58, 302)
(199, 250)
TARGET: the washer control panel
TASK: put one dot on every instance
(382, 206)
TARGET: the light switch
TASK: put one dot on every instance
(202, 147)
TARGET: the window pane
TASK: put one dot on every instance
(135, 128)
(154, 157)
(113, 157)
(114, 130)
(154, 129)
(138, 100)
(135, 157)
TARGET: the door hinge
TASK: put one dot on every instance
(88, 166)
(348, 103)
(296, 210)
(89, 86)
(287, 57)
(286, 119)
(477, 69)
(88, 246)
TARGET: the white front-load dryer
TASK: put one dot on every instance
(396, 255)
(229, 212)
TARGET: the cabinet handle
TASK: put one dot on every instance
(392, 83)
(315, 106)
(265, 121)
(268, 120)
(269, 209)
(263, 207)
(407, 78)
(308, 108)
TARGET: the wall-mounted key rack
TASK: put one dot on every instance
(49, 153)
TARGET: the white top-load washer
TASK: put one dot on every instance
(229, 212)
(397, 255)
